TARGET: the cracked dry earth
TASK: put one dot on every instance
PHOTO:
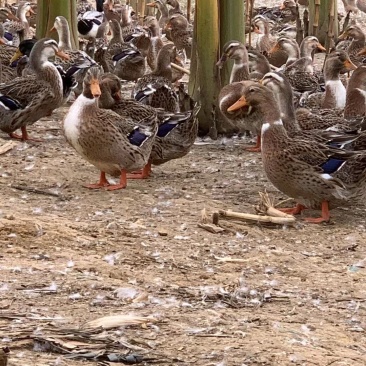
(295, 295)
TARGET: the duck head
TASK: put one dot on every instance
(91, 83)
(233, 50)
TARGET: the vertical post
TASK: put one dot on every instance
(189, 10)
(207, 53)
(232, 27)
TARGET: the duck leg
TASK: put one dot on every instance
(122, 182)
(325, 215)
(103, 182)
(257, 147)
(293, 210)
(143, 174)
(24, 136)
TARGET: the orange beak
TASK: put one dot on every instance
(362, 52)
(32, 11)
(321, 48)
(344, 35)
(282, 7)
(257, 30)
(95, 88)
(237, 105)
(2, 41)
(152, 5)
(63, 55)
(52, 29)
(349, 65)
(168, 27)
(275, 48)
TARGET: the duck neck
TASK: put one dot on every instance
(176, 6)
(293, 54)
(240, 70)
(335, 92)
(155, 30)
(48, 72)
(21, 14)
(64, 43)
(164, 12)
(117, 35)
(305, 51)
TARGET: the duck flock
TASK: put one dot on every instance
(308, 122)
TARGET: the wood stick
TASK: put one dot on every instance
(38, 191)
(179, 68)
(251, 217)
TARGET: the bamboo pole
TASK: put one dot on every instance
(232, 26)
(189, 10)
(207, 53)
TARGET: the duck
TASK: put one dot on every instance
(163, 10)
(61, 25)
(356, 94)
(289, 11)
(25, 100)
(284, 52)
(113, 143)
(316, 175)
(20, 59)
(357, 44)
(156, 89)
(181, 36)
(175, 7)
(242, 119)
(236, 51)
(6, 15)
(303, 123)
(335, 92)
(121, 58)
(176, 131)
(156, 43)
(265, 40)
(6, 50)
(20, 29)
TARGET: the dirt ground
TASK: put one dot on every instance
(252, 296)
(297, 295)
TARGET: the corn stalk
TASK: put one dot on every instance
(48, 10)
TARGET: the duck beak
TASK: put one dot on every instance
(168, 27)
(52, 29)
(221, 62)
(2, 41)
(320, 47)
(349, 65)
(95, 88)
(11, 16)
(239, 104)
(63, 55)
(343, 36)
(362, 52)
(275, 48)
(257, 30)
(32, 11)
(282, 7)
(152, 5)
(16, 56)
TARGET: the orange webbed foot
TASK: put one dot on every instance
(325, 215)
(122, 182)
(257, 147)
(24, 136)
(293, 210)
(103, 182)
(143, 174)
